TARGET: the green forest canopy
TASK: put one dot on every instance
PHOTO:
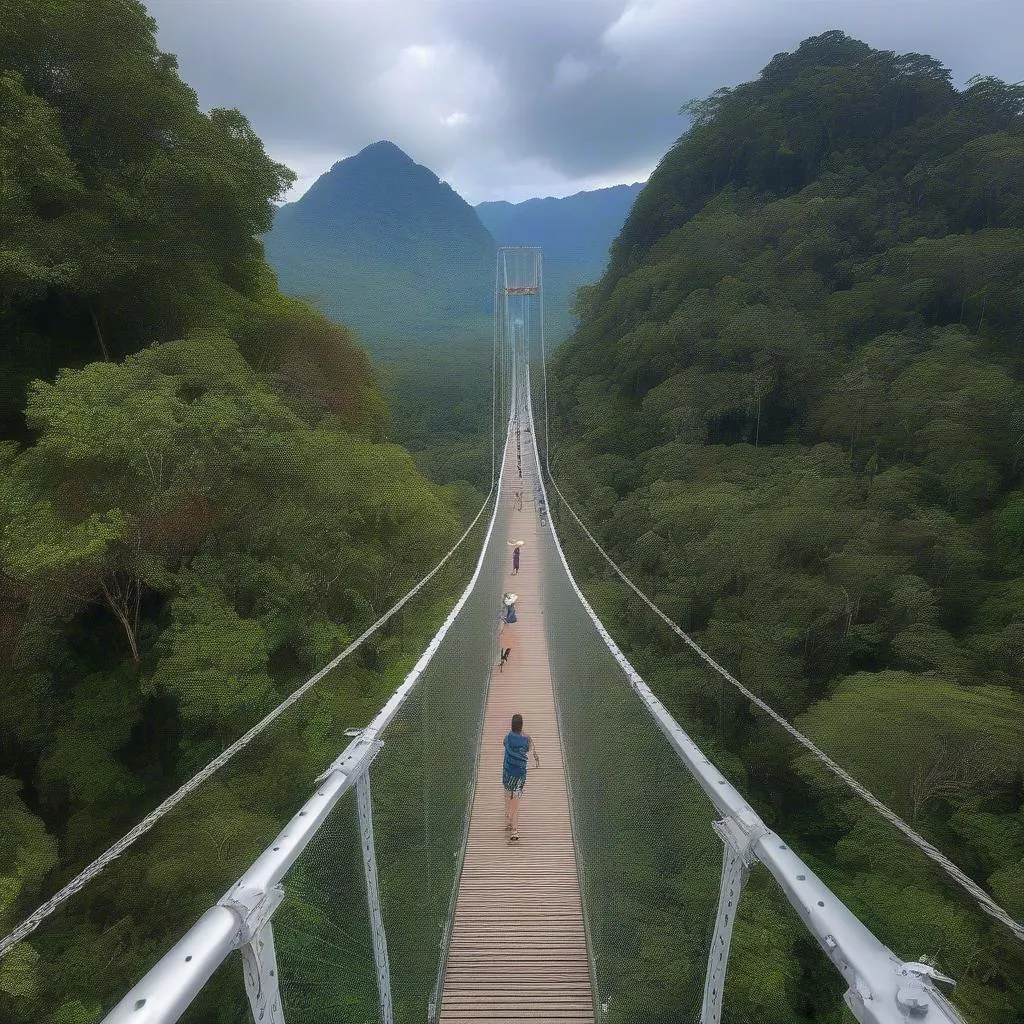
(792, 404)
(197, 502)
(793, 412)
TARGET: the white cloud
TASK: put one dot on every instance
(734, 39)
(570, 72)
(532, 94)
(417, 56)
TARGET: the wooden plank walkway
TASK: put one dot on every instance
(518, 949)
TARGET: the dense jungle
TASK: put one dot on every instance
(791, 411)
(792, 414)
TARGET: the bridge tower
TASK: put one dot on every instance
(518, 316)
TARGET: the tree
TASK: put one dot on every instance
(791, 412)
(127, 201)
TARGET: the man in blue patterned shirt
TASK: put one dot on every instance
(513, 772)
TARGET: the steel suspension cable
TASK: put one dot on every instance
(44, 910)
(980, 896)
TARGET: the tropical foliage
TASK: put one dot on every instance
(792, 412)
(198, 503)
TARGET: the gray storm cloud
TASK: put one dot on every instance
(509, 100)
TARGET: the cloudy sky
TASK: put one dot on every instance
(508, 99)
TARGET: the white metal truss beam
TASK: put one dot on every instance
(259, 967)
(737, 857)
(883, 989)
(380, 942)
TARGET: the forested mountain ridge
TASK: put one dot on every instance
(574, 233)
(792, 412)
(197, 506)
(381, 244)
(581, 226)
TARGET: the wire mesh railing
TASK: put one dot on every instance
(902, 895)
(322, 930)
(898, 893)
(881, 987)
(422, 781)
(439, 706)
(93, 948)
(649, 858)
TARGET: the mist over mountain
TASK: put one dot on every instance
(382, 244)
(575, 234)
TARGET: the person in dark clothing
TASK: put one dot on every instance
(504, 657)
(515, 562)
(513, 772)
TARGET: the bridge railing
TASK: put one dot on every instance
(648, 805)
(423, 778)
(344, 869)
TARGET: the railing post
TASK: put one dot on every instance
(738, 836)
(259, 965)
(380, 942)
(254, 909)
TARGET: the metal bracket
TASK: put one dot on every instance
(738, 833)
(259, 966)
(254, 908)
(380, 943)
(916, 993)
(357, 756)
(909, 995)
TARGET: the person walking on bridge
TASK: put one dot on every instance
(515, 561)
(513, 772)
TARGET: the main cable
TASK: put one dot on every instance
(982, 898)
(44, 910)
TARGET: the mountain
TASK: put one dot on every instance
(575, 234)
(382, 245)
(579, 227)
(792, 412)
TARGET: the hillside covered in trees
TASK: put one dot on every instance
(379, 243)
(792, 413)
(198, 505)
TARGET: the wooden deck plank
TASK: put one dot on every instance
(518, 949)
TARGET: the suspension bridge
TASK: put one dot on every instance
(458, 921)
